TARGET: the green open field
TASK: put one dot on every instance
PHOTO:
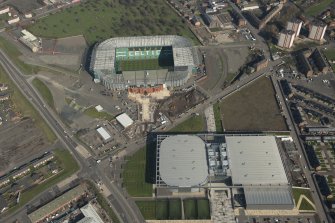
(14, 54)
(330, 54)
(69, 166)
(305, 205)
(195, 123)
(134, 175)
(92, 112)
(99, 20)
(253, 108)
(160, 209)
(317, 8)
(133, 65)
(196, 209)
(23, 106)
(44, 92)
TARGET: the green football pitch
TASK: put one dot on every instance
(151, 64)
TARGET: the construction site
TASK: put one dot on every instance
(180, 102)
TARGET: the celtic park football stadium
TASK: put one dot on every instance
(142, 61)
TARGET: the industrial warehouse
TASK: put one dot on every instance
(143, 61)
(250, 165)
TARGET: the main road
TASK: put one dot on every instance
(124, 208)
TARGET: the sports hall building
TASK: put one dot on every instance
(248, 163)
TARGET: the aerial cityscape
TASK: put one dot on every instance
(167, 111)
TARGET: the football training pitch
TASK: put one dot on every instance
(160, 209)
(100, 20)
(169, 209)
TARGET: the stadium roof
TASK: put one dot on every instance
(268, 197)
(255, 160)
(104, 54)
(104, 134)
(181, 57)
(124, 120)
(182, 161)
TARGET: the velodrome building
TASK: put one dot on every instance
(143, 61)
(252, 163)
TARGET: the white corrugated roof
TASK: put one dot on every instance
(268, 196)
(182, 161)
(255, 160)
(29, 36)
(104, 134)
(124, 120)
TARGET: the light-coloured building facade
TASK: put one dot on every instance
(317, 31)
(286, 38)
(295, 26)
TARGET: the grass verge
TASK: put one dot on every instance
(14, 54)
(70, 166)
(99, 20)
(23, 106)
(305, 205)
(134, 175)
(44, 92)
(217, 116)
(92, 112)
(195, 123)
(301, 191)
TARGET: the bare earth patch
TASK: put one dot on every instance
(253, 108)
